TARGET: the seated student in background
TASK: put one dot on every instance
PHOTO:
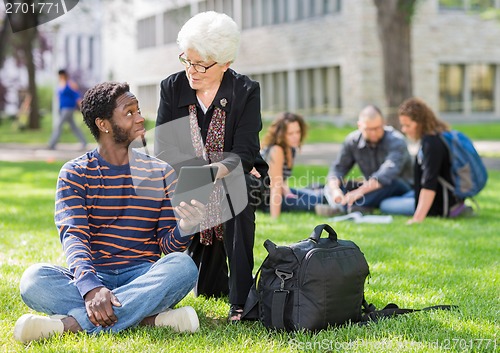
(382, 156)
(419, 123)
(280, 144)
(115, 222)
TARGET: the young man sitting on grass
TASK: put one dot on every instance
(115, 221)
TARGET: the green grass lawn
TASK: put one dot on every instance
(318, 132)
(441, 261)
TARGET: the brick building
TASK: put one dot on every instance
(321, 58)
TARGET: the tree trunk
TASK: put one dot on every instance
(4, 35)
(394, 30)
(28, 38)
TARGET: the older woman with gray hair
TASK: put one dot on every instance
(221, 109)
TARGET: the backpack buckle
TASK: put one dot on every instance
(283, 276)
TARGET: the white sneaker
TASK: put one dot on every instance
(182, 319)
(31, 327)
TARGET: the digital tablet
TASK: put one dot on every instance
(194, 183)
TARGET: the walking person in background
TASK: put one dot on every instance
(69, 100)
(382, 155)
(280, 144)
(218, 114)
(419, 123)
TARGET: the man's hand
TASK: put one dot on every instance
(352, 196)
(99, 303)
(368, 186)
(338, 196)
(190, 215)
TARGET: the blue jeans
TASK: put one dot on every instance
(66, 115)
(399, 205)
(373, 199)
(305, 201)
(143, 290)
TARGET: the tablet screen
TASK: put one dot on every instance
(194, 183)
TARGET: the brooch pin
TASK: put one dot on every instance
(223, 102)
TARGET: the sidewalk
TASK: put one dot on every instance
(325, 153)
(15, 152)
(310, 154)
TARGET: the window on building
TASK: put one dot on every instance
(311, 92)
(225, 6)
(267, 13)
(331, 6)
(146, 32)
(300, 10)
(67, 51)
(276, 12)
(91, 52)
(482, 85)
(451, 88)
(467, 88)
(148, 98)
(287, 16)
(256, 13)
(173, 20)
(79, 51)
(312, 8)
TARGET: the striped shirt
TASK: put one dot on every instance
(112, 217)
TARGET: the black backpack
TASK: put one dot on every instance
(312, 284)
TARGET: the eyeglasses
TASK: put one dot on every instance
(375, 128)
(198, 68)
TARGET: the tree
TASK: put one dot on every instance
(28, 37)
(394, 30)
(24, 41)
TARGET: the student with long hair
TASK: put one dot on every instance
(280, 144)
(432, 162)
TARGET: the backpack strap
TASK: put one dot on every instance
(391, 310)
(278, 309)
(279, 300)
(446, 201)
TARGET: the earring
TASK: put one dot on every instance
(107, 131)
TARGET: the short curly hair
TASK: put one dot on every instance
(100, 101)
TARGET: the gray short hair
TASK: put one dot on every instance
(370, 112)
(215, 36)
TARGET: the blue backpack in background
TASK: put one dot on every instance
(468, 172)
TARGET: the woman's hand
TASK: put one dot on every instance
(222, 170)
(255, 173)
(287, 193)
(190, 215)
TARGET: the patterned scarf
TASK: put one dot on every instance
(211, 152)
